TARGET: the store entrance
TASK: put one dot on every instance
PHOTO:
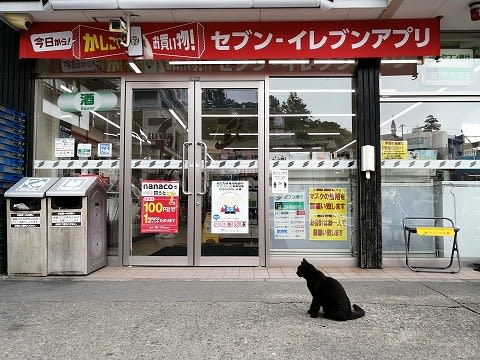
(191, 174)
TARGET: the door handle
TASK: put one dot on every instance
(204, 190)
(184, 169)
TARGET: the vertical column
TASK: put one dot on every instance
(369, 190)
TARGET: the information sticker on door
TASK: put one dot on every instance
(229, 207)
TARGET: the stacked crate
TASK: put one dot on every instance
(12, 141)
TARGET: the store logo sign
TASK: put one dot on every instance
(87, 101)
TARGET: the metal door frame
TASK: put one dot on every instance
(193, 258)
(232, 260)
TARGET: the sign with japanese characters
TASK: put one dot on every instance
(66, 218)
(394, 149)
(23, 220)
(328, 213)
(229, 207)
(159, 206)
(289, 216)
(64, 147)
(239, 40)
(87, 101)
(279, 181)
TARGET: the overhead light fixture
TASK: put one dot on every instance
(64, 88)
(105, 119)
(399, 61)
(219, 4)
(135, 67)
(245, 148)
(361, 4)
(182, 4)
(323, 133)
(288, 148)
(216, 62)
(233, 134)
(331, 61)
(345, 146)
(322, 4)
(83, 5)
(287, 62)
(174, 114)
(410, 108)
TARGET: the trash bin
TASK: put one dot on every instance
(27, 228)
(77, 219)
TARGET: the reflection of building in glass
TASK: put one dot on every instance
(393, 133)
(428, 140)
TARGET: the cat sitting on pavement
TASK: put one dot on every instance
(329, 294)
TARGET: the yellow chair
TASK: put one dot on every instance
(431, 226)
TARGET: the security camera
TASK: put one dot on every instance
(118, 26)
(474, 10)
(19, 21)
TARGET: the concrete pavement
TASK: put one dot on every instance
(75, 318)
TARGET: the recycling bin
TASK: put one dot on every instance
(27, 228)
(77, 226)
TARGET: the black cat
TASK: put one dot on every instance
(329, 294)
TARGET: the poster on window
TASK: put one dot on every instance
(159, 206)
(289, 216)
(328, 213)
(229, 207)
(279, 181)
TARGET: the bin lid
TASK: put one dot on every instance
(74, 186)
(34, 187)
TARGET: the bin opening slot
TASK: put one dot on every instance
(25, 204)
(66, 202)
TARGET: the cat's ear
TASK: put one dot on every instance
(304, 260)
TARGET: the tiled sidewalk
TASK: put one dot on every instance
(249, 273)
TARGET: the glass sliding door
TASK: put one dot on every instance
(230, 119)
(192, 173)
(157, 204)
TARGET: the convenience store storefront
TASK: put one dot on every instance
(224, 146)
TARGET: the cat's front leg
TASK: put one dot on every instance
(314, 307)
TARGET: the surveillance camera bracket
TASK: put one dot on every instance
(126, 43)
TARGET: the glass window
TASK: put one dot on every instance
(430, 140)
(311, 152)
(77, 133)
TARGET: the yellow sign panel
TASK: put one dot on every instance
(394, 150)
(207, 236)
(328, 214)
(435, 231)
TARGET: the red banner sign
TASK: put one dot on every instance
(217, 41)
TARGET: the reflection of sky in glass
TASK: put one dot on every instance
(330, 106)
(443, 78)
(241, 95)
(451, 116)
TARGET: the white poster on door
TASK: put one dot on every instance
(229, 207)
(279, 181)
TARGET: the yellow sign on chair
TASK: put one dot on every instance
(435, 231)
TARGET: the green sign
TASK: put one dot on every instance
(87, 101)
(84, 150)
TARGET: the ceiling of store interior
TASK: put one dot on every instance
(454, 14)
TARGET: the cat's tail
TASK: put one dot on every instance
(357, 312)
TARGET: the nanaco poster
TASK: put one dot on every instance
(229, 207)
(328, 213)
(159, 206)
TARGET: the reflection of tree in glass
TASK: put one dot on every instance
(217, 99)
(431, 124)
(302, 125)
